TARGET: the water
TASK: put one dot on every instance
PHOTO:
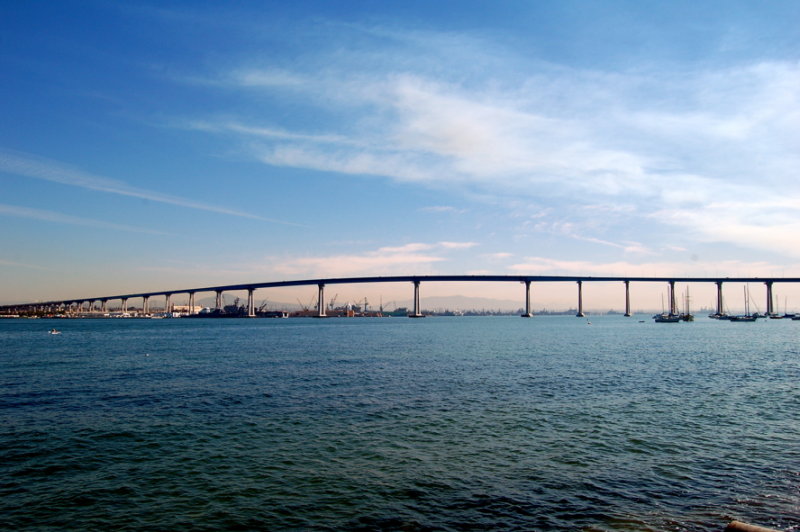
(398, 424)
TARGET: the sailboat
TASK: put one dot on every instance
(665, 317)
(747, 316)
(776, 316)
(786, 313)
(687, 315)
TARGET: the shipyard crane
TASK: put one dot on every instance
(332, 304)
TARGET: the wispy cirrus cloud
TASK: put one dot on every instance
(15, 264)
(268, 78)
(47, 170)
(275, 134)
(60, 218)
(442, 209)
(731, 268)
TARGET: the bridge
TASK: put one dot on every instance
(415, 280)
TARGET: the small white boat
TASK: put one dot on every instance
(53, 331)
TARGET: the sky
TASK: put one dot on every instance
(150, 146)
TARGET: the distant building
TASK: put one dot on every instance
(185, 309)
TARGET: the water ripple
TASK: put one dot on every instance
(444, 424)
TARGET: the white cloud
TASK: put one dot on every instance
(418, 257)
(458, 245)
(498, 256)
(499, 139)
(771, 225)
(652, 140)
(407, 248)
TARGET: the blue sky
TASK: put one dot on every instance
(156, 145)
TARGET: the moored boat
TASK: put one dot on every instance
(746, 316)
(666, 318)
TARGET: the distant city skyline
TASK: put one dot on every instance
(148, 147)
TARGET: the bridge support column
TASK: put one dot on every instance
(627, 298)
(770, 307)
(218, 302)
(719, 298)
(580, 313)
(528, 313)
(673, 309)
(145, 305)
(321, 301)
(191, 304)
(167, 303)
(124, 305)
(104, 305)
(417, 313)
(251, 308)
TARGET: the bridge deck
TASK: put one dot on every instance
(415, 279)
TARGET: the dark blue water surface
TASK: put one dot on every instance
(459, 423)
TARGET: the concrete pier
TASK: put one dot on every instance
(417, 311)
(145, 305)
(580, 313)
(191, 303)
(321, 301)
(528, 313)
(673, 308)
(770, 303)
(627, 298)
(720, 310)
(218, 301)
(251, 308)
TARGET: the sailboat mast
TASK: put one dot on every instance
(746, 301)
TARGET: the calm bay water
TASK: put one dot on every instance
(398, 424)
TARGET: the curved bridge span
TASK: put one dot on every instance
(416, 280)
